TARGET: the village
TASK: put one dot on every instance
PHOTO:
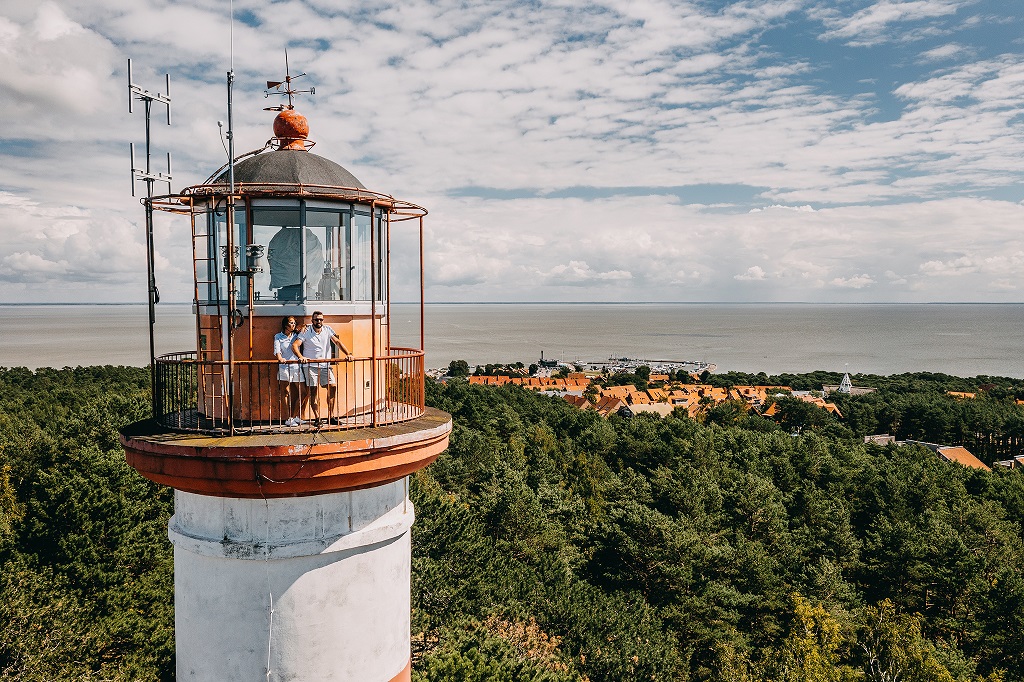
(661, 396)
(675, 388)
(628, 387)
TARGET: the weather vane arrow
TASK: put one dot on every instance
(285, 88)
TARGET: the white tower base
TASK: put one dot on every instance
(296, 588)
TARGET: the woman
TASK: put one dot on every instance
(290, 374)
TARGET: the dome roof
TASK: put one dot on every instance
(291, 167)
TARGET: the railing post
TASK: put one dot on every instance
(374, 289)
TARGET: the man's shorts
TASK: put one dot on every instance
(319, 377)
(291, 373)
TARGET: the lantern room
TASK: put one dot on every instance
(297, 240)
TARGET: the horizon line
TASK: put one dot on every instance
(430, 303)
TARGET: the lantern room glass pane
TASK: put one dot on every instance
(382, 253)
(214, 286)
(328, 271)
(361, 247)
(279, 228)
(361, 257)
(207, 268)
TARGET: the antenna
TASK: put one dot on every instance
(147, 97)
(231, 36)
(285, 88)
(230, 226)
(149, 177)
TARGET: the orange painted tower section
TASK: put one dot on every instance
(289, 447)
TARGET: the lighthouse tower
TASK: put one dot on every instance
(291, 525)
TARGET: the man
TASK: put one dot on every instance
(315, 344)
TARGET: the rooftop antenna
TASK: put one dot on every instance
(230, 217)
(285, 88)
(231, 130)
(150, 178)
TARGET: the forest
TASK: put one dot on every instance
(552, 545)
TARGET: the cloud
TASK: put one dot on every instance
(995, 264)
(895, 278)
(946, 52)
(950, 268)
(795, 267)
(579, 273)
(51, 23)
(30, 267)
(89, 252)
(58, 73)
(459, 273)
(876, 23)
(687, 252)
(752, 274)
(473, 259)
(855, 282)
(684, 278)
(66, 245)
(660, 148)
(777, 207)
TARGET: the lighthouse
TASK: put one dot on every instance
(289, 447)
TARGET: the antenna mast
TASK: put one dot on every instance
(149, 177)
(230, 219)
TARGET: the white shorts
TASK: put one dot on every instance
(292, 373)
(319, 377)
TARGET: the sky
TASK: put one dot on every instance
(772, 150)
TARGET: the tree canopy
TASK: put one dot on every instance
(554, 545)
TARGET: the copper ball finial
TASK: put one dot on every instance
(291, 128)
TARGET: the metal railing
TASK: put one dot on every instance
(265, 396)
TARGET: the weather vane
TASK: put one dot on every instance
(285, 88)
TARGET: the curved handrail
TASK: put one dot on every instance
(263, 396)
(356, 194)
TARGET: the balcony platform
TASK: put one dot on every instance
(286, 464)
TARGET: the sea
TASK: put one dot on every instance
(959, 339)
